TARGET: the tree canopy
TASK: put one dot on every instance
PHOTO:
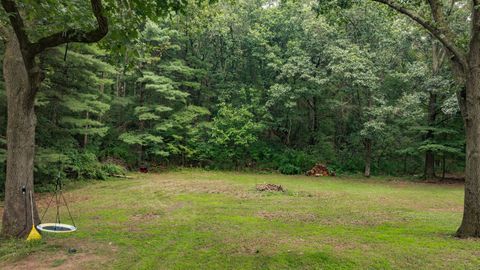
(277, 85)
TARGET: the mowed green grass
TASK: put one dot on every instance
(192, 219)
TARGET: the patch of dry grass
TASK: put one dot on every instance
(88, 255)
(217, 220)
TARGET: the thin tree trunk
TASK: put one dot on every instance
(117, 85)
(438, 55)
(102, 85)
(368, 156)
(429, 156)
(314, 120)
(443, 166)
(367, 142)
(140, 156)
(429, 165)
(17, 217)
(85, 136)
(141, 126)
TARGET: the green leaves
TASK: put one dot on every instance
(163, 86)
(148, 116)
(243, 83)
(146, 113)
(164, 123)
(441, 149)
(85, 103)
(352, 65)
(84, 126)
(233, 132)
(141, 139)
(434, 130)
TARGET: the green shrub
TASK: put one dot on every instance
(113, 169)
(121, 151)
(288, 168)
(233, 134)
(49, 164)
(85, 166)
(293, 162)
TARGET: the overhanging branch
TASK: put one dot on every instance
(440, 34)
(17, 24)
(76, 35)
(436, 7)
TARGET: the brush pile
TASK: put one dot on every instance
(270, 187)
(320, 170)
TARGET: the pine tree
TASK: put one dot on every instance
(163, 91)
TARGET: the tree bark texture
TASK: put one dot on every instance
(470, 226)
(466, 69)
(22, 80)
(17, 217)
(368, 156)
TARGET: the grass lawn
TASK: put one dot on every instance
(194, 219)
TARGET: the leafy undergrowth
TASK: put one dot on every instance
(193, 219)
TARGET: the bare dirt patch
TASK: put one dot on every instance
(340, 245)
(419, 205)
(363, 218)
(287, 216)
(42, 200)
(457, 208)
(176, 206)
(257, 245)
(269, 187)
(270, 244)
(175, 186)
(144, 217)
(343, 244)
(88, 255)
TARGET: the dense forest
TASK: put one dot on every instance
(262, 85)
(243, 91)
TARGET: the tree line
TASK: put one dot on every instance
(251, 84)
(269, 87)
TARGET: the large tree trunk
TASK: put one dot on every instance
(471, 215)
(466, 68)
(17, 217)
(22, 78)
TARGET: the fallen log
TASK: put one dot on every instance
(120, 176)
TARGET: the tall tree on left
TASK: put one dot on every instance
(23, 77)
(29, 28)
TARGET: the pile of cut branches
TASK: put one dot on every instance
(320, 170)
(270, 187)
